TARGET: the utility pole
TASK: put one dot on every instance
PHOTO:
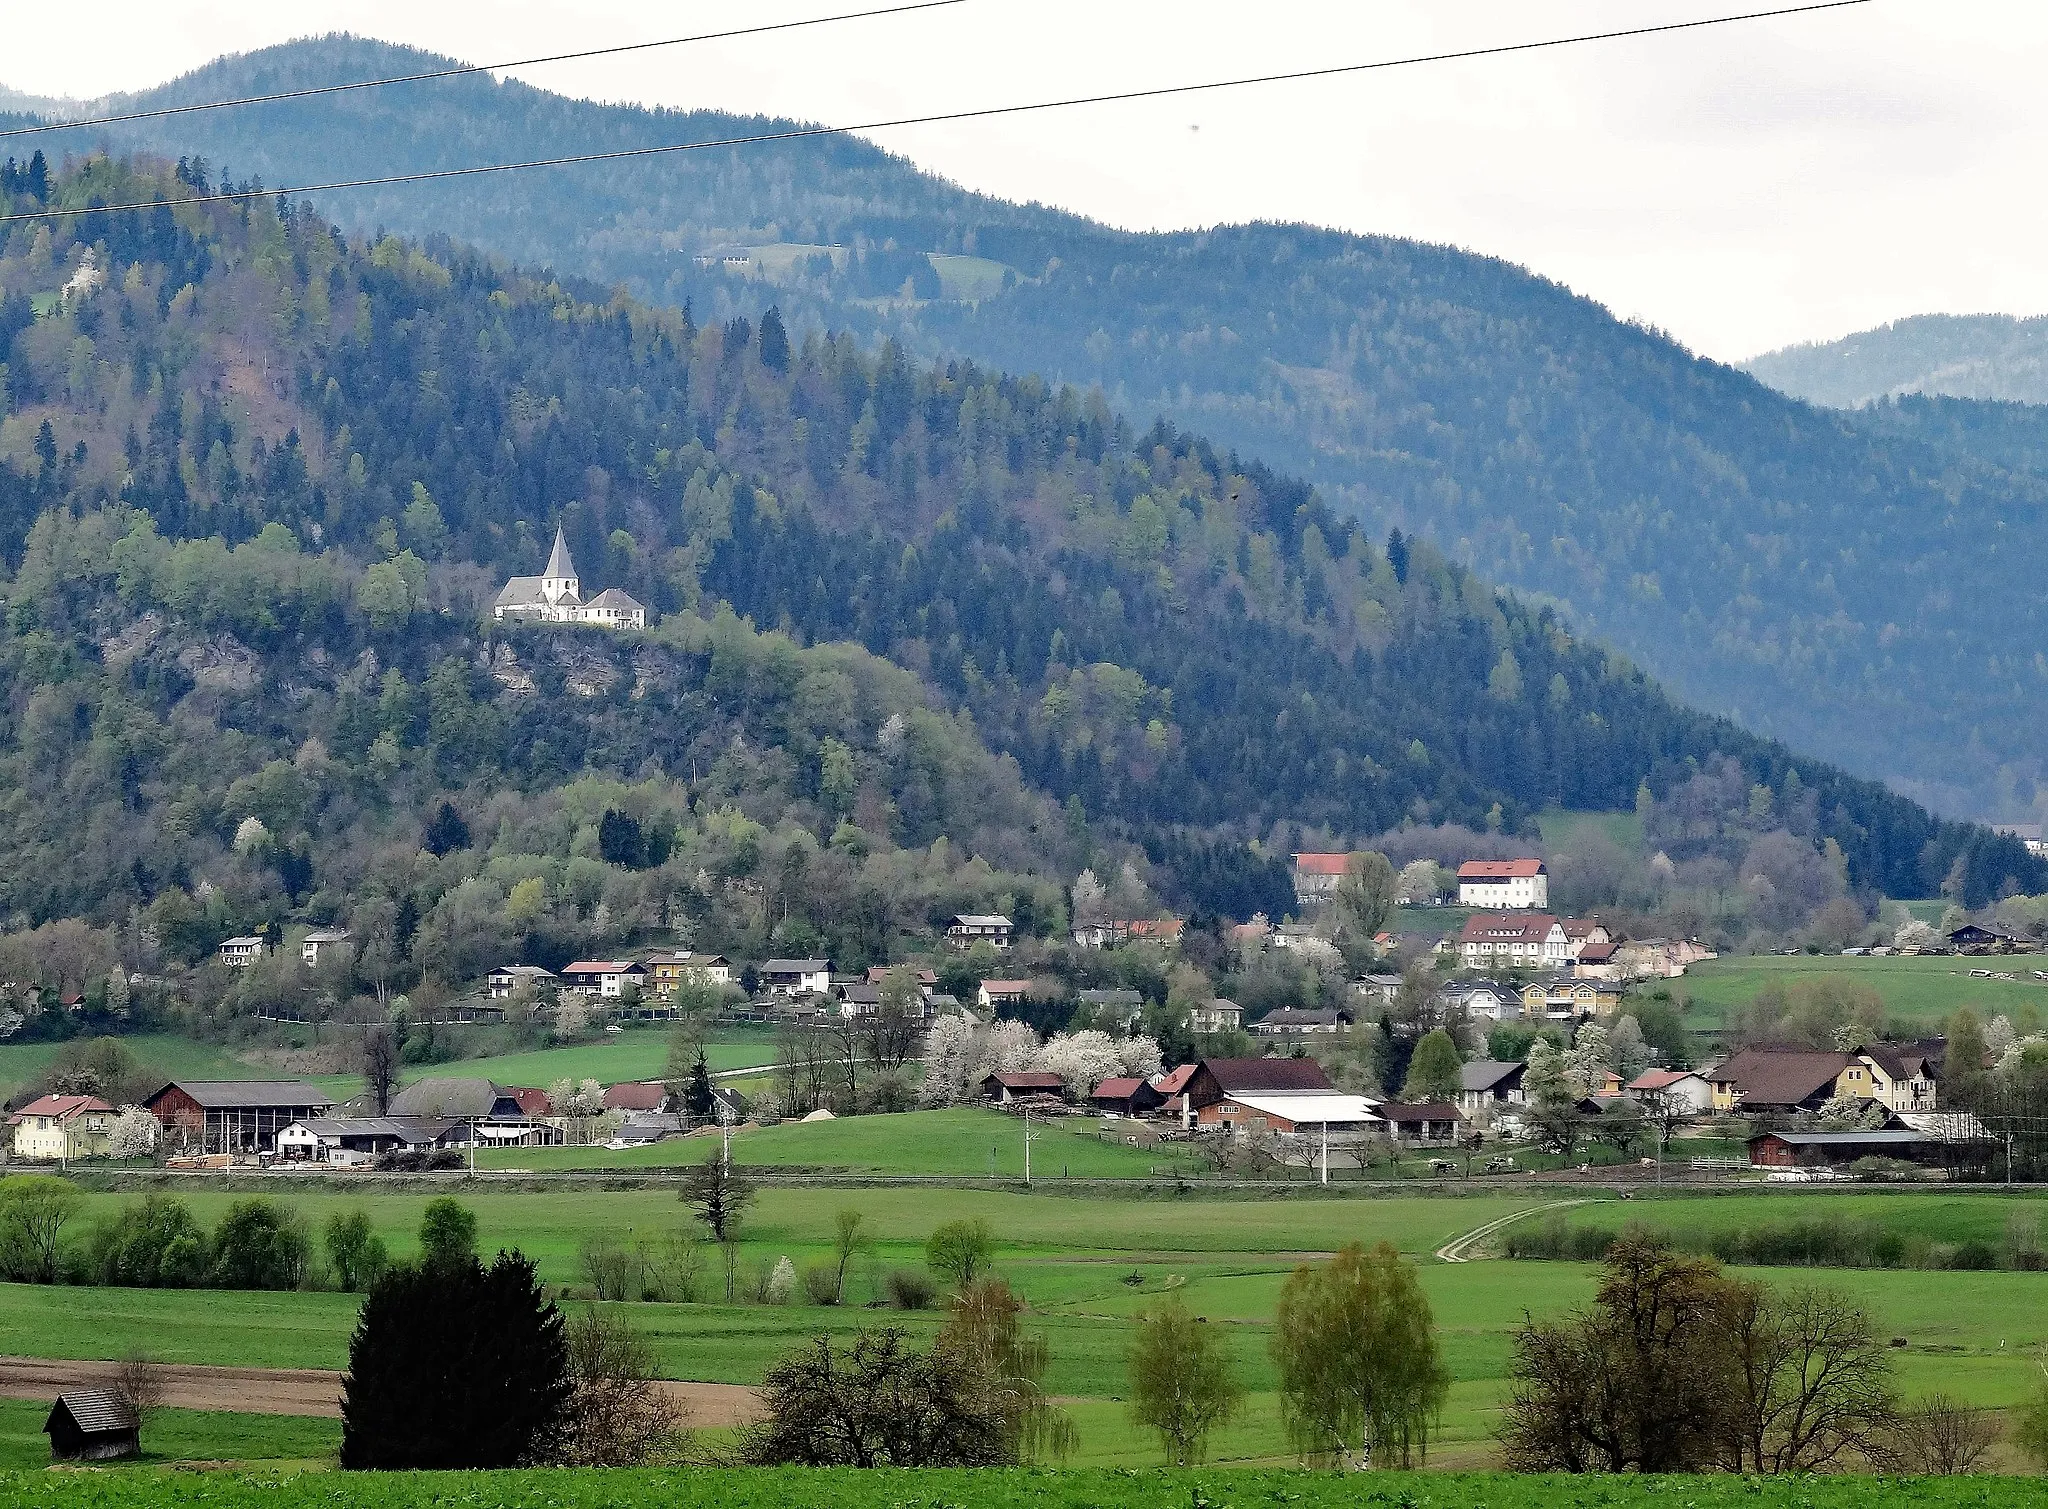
(1027, 1145)
(1326, 1152)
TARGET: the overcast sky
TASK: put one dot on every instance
(1741, 187)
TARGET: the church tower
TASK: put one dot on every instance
(559, 580)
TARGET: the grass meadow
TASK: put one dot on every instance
(1920, 992)
(1085, 1266)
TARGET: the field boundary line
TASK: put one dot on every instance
(1455, 1250)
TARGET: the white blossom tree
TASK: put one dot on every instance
(1627, 1054)
(950, 1052)
(1083, 1059)
(134, 1133)
(1140, 1056)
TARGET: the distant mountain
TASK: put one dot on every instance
(1991, 356)
(1775, 563)
(259, 485)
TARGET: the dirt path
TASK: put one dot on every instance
(301, 1391)
(1459, 1248)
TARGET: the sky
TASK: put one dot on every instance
(1741, 188)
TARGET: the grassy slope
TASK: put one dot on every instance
(1921, 992)
(180, 1435)
(175, 1057)
(637, 1053)
(957, 1141)
(1622, 829)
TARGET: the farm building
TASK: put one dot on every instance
(1831, 1149)
(233, 1115)
(494, 1110)
(92, 1425)
(1294, 1113)
(1002, 1089)
(1125, 1097)
(319, 1139)
(1490, 1082)
(1435, 1123)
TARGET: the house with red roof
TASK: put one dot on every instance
(59, 1127)
(1125, 1097)
(1504, 885)
(1683, 1086)
(1317, 876)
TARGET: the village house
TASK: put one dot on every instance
(507, 979)
(1173, 1093)
(1684, 1087)
(1563, 998)
(57, 1128)
(642, 1095)
(1252, 934)
(1494, 1085)
(233, 1115)
(1976, 938)
(1595, 961)
(969, 928)
(927, 980)
(1317, 876)
(1657, 958)
(1112, 934)
(1506, 885)
(789, 978)
(322, 940)
(1482, 1000)
(1113, 1011)
(668, 972)
(606, 979)
(994, 993)
(1376, 991)
(1218, 1015)
(1517, 940)
(240, 953)
(1783, 1081)
(555, 597)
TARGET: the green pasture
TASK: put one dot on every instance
(638, 1053)
(174, 1056)
(966, 1140)
(967, 277)
(1920, 992)
(180, 1435)
(1622, 829)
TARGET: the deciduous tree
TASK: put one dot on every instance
(1182, 1381)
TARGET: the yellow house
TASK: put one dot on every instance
(1557, 1000)
(1900, 1080)
(670, 971)
(58, 1127)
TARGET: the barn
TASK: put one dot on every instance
(234, 1115)
(92, 1425)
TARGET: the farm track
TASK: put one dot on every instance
(302, 1391)
(1458, 1249)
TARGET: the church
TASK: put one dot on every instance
(555, 597)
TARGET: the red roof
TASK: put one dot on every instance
(1499, 869)
(1659, 1079)
(1321, 864)
(533, 1102)
(1118, 1089)
(1596, 953)
(63, 1107)
(1155, 927)
(1006, 987)
(635, 1097)
(1177, 1080)
(1250, 1075)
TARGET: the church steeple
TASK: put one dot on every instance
(559, 580)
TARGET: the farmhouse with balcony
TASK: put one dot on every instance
(1505, 885)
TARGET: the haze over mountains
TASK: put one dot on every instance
(1786, 566)
(1987, 356)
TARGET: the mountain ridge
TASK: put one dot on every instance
(1994, 357)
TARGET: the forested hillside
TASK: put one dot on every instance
(258, 484)
(1992, 356)
(1782, 565)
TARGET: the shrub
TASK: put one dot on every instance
(910, 1288)
(1974, 1257)
(821, 1283)
(612, 1271)
(260, 1244)
(447, 1233)
(354, 1252)
(154, 1243)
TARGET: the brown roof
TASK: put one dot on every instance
(1118, 1089)
(1659, 1079)
(1321, 864)
(1433, 1110)
(1176, 1080)
(635, 1097)
(1596, 953)
(1781, 1076)
(1027, 1079)
(1507, 927)
(532, 1101)
(63, 1107)
(1251, 1075)
(1498, 869)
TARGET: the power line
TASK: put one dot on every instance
(796, 133)
(469, 68)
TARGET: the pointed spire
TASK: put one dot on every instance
(559, 563)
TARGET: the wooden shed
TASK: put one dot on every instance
(92, 1425)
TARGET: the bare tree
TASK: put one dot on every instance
(380, 1064)
(1666, 1113)
(1940, 1435)
(619, 1415)
(849, 1238)
(1812, 1385)
(139, 1385)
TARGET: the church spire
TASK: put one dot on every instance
(559, 564)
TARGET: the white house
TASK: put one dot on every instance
(967, 929)
(240, 953)
(1218, 1015)
(507, 978)
(1524, 940)
(796, 977)
(604, 978)
(57, 1127)
(1504, 884)
(1678, 1085)
(321, 938)
(556, 597)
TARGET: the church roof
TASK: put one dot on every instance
(559, 563)
(519, 590)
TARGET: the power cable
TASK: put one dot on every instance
(796, 133)
(469, 68)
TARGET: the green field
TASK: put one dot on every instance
(180, 1435)
(1622, 829)
(1920, 992)
(1084, 1266)
(637, 1053)
(176, 1057)
(992, 1488)
(962, 1141)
